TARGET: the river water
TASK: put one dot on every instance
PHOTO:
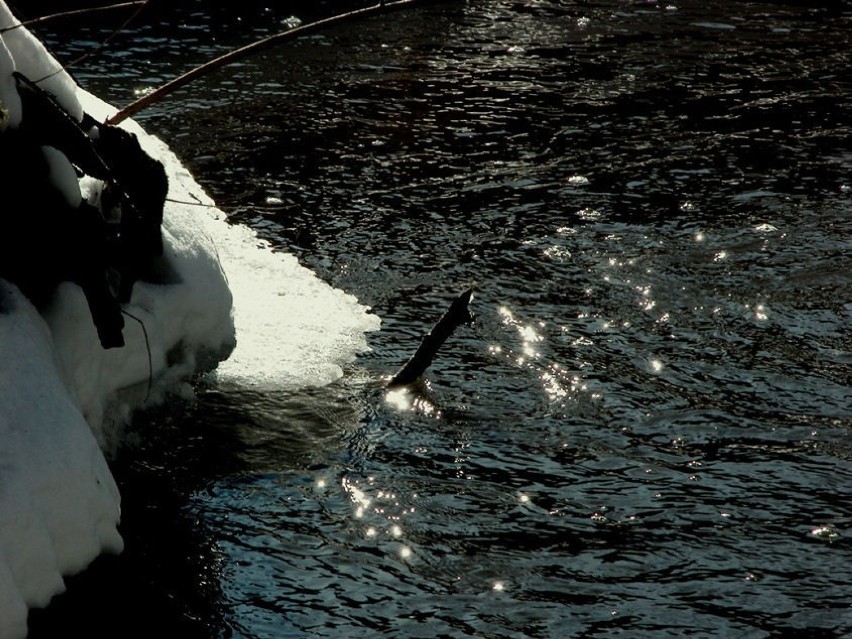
(646, 432)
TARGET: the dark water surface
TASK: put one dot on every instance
(648, 430)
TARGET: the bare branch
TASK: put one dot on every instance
(73, 13)
(103, 44)
(254, 47)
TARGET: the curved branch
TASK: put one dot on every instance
(232, 56)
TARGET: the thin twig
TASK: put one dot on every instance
(234, 207)
(70, 14)
(109, 38)
(273, 40)
(147, 348)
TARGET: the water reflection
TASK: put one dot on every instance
(413, 398)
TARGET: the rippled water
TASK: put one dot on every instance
(647, 430)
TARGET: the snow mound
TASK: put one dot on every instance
(64, 397)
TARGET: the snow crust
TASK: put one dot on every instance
(63, 398)
(293, 329)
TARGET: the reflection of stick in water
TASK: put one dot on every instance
(420, 361)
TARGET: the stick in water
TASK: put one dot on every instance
(420, 361)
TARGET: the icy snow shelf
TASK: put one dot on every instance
(62, 395)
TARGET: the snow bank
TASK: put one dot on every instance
(60, 390)
(63, 397)
(293, 329)
(59, 505)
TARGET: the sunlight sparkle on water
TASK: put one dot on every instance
(356, 495)
(827, 533)
(552, 386)
(647, 305)
(557, 253)
(400, 398)
(403, 399)
(765, 228)
(529, 334)
(590, 215)
(141, 92)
